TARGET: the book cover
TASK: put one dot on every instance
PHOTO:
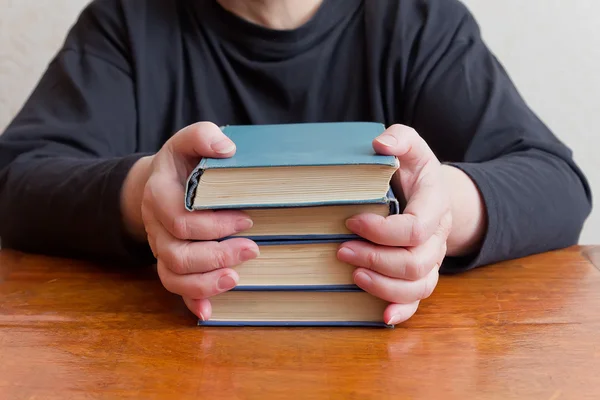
(390, 200)
(297, 323)
(297, 265)
(295, 145)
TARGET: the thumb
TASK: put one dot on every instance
(202, 139)
(406, 144)
(181, 153)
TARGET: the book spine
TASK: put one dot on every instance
(191, 186)
(393, 202)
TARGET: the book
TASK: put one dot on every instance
(296, 308)
(291, 165)
(296, 264)
(312, 222)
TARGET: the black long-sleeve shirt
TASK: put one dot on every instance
(133, 72)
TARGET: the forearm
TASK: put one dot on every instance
(131, 198)
(535, 201)
(469, 219)
(66, 206)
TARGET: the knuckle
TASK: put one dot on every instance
(179, 261)
(446, 222)
(418, 234)
(202, 126)
(428, 287)
(180, 228)
(219, 259)
(412, 133)
(373, 259)
(160, 270)
(204, 287)
(149, 186)
(152, 244)
(163, 275)
(218, 226)
(416, 269)
(147, 203)
(425, 290)
(205, 131)
(145, 212)
(147, 194)
(396, 130)
(378, 229)
(207, 226)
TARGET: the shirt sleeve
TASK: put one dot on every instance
(64, 157)
(536, 197)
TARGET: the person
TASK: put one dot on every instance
(94, 164)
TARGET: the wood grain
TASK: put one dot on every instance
(521, 329)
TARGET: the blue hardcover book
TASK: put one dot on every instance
(323, 307)
(312, 222)
(294, 165)
(296, 265)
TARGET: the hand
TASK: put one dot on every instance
(401, 264)
(190, 262)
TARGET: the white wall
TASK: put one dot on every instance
(30, 33)
(551, 48)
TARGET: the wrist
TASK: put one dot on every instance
(469, 216)
(131, 198)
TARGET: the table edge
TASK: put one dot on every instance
(592, 254)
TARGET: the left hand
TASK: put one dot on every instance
(401, 264)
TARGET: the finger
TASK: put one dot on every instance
(151, 225)
(419, 180)
(184, 257)
(201, 307)
(402, 263)
(182, 152)
(395, 314)
(406, 144)
(396, 290)
(426, 207)
(400, 229)
(197, 286)
(166, 199)
(202, 139)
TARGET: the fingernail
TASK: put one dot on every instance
(202, 317)
(226, 282)
(394, 320)
(354, 225)
(249, 254)
(362, 279)
(387, 140)
(224, 146)
(346, 252)
(243, 224)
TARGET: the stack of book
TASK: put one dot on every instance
(299, 183)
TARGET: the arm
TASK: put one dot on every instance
(468, 213)
(66, 154)
(460, 99)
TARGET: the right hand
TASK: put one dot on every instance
(190, 262)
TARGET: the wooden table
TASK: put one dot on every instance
(528, 329)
